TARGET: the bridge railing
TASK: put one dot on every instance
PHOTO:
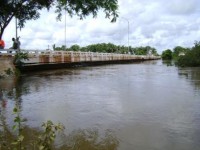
(49, 56)
(8, 52)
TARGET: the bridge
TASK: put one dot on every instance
(49, 59)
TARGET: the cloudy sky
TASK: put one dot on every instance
(161, 24)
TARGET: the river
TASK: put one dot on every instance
(140, 106)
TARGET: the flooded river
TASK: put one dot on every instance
(140, 106)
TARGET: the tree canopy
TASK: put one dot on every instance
(25, 10)
(110, 48)
(167, 54)
(178, 50)
(191, 57)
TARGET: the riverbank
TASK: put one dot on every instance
(6, 66)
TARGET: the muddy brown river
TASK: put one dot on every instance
(140, 106)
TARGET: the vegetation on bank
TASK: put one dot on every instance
(43, 141)
(21, 137)
(110, 48)
(184, 57)
(191, 57)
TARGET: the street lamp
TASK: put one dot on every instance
(16, 22)
(65, 30)
(128, 30)
(16, 27)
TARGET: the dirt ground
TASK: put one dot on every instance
(5, 64)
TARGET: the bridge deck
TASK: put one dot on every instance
(49, 58)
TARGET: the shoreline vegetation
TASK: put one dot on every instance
(51, 136)
(184, 57)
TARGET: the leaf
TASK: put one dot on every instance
(14, 127)
(15, 110)
(41, 147)
(20, 138)
(14, 143)
(17, 119)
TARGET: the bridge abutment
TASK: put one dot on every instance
(6, 66)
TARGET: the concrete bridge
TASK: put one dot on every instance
(48, 59)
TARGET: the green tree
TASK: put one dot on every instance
(62, 48)
(144, 50)
(191, 58)
(25, 10)
(178, 50)
(75, 48)
(167, 54)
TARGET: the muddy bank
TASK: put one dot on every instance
(6, 66)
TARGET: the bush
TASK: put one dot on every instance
(167, 54)
(191, 58)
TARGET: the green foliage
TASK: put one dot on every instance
(111, 48)
(62, 48)
(18, 127)
(75, 47)
(178, 50)
(25, 10)
(167, 54)
(144, 50)
(25, 138)
(102, 47)
(47, 138)
(17, 72)
(19, 57)
(42, 141)
(22, 10)
(191, 58)
(84, 8)
(9, 71)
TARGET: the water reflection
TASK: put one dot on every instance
(168, 62)
(13, 89)
(90, 139)
(82, 139)
(192, 75)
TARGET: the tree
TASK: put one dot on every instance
(191, 57)
(25, 10)
(178, 50)
(75, 47)
(167, 54)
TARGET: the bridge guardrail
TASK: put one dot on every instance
(49, 56)
(8, 52)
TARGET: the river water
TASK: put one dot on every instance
(141, 106)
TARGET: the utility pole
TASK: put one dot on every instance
(16, 35)
(128, 30)
(65, 31)
(16, 23)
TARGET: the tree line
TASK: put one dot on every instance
(184, 57)
(110, 48)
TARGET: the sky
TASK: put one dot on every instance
(162, 24)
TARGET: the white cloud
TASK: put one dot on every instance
(182, 7)
(162, 24)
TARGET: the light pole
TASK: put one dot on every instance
(15, 23)
(128, 30)
(16, 27)
(65, 31)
